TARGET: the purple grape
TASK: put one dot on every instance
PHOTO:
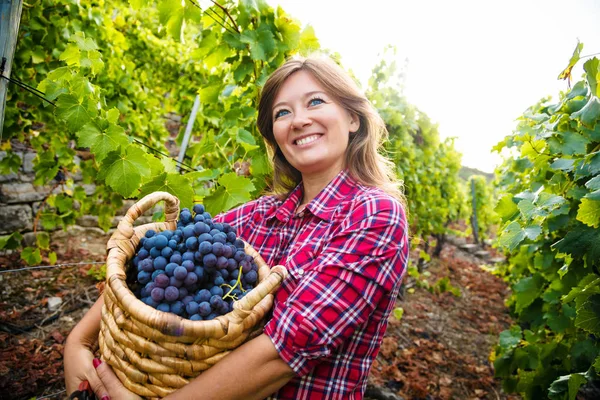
(234, 274)
(185, 216)
(239, 244)
(170, 268)
(231, 237)
(164, 307)
(188, 265)
(198, 208)
(239, 256)
(199, 271)
(219, 226)
(158, 294)
(151, 302)
(198, 218)
(204, 309)
(205, 237)
(190, 279)
(224, 274)
(186, 300)
(171, 293)
(154, 252)
(228, 251)
(173, 244)
(145, 265)
(222, 262)
(233, 282)
(167, 252)
(216, 291)
(211, 316)
(180, 272)
(144, 277)
(176, 258)
(202, 296)
(150, 233)
(219, 280)
(251, 276)
(217, 249)
(198, 256)
(188, 255)
(215, 301)
(205, 247)
(160, 262)
(149, 286)
(160, 242)
(183, 292)
(223, 308)
(220, 237)
(148, 244)
(214, 232)
(162, 281)
(206, 215)
(232, 265)
(143, 253)
(191, 307)
(177, 308)
(175, 282)
(246, 267)
(168, 234)
(191, 243)
(196, 317)
(188, 232)
(209, 260)
(200, 228)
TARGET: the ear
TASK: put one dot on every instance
(354, 123)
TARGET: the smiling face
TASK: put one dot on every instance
(310, 128)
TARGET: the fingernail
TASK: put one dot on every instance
(97, 362)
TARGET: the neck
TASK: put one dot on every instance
(314, 183)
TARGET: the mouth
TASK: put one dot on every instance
(306, 140)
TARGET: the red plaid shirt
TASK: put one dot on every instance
(346, 254)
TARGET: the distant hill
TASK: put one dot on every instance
(466, 172)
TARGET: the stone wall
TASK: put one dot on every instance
(20, 200)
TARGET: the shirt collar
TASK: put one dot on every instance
(322, 206)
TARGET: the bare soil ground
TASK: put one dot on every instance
(439, 349)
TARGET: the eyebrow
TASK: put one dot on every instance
(305, 96)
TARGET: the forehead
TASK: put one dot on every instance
(297, 85)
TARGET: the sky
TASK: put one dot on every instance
(473, 66)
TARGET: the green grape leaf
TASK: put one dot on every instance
(512, 236)
(566, 73)
(74, 113)
(102, 142)
(204, 175)
(527, 208)
(93, 60)
(527, 290)
(579, 89)
(589, 282)
(210, 94)
(510, 339)
(593, 184)
(11, 241)
(597, 364)
(563, 164)
(566, 383)
(32, 256)
(177, 185)
(246, 139)
(124, 171)
(52, 257)
(573, 143)
(590, 113)
(42, 240)
(71, 55)
(83, 43)
(588, 315)
(245, 68)
(233, 190)
(580, 241)
(532, 232)
(589, 212)
(308, 41)
(591, 67)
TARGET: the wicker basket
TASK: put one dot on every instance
(152, 352)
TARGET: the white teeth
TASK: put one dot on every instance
(307, 139)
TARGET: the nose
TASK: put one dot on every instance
(300, 120)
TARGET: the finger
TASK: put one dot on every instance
(96, 382)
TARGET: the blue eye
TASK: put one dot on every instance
(315, 102)
(280, 113)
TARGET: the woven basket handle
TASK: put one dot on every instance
(144, 204)
(268, 285)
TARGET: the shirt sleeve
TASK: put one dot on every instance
(364, 260)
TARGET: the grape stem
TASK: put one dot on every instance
(238, 282)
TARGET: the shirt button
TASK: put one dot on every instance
(300, 272)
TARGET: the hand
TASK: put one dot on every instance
(109, 380)
(79, 367)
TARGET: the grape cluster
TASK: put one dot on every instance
(196, 271)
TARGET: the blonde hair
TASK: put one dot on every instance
(363, 161)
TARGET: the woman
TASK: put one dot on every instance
(336, 221)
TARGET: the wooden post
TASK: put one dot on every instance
(10, 17)
(474, 217)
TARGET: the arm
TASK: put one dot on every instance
(252, 371)
(79, 351)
